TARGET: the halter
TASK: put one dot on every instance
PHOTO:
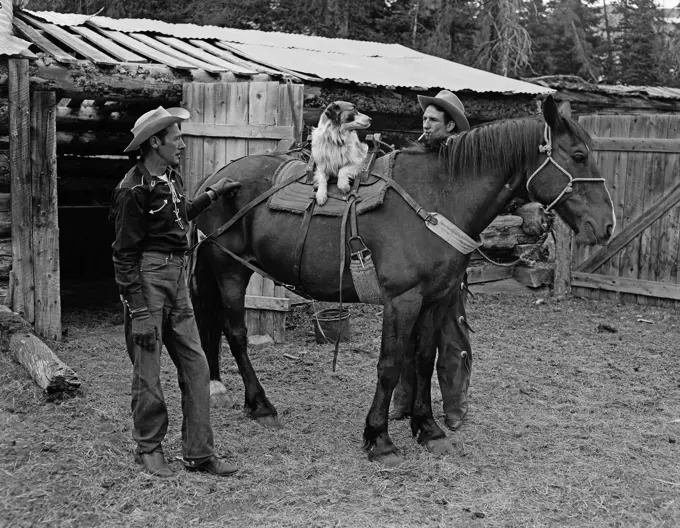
(547, 148)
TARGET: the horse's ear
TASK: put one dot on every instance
(551, 113)
(565, 109)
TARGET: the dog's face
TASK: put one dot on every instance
(345, 116)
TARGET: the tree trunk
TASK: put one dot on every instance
(45, 368)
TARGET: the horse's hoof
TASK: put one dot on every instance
(272, 422)
(389, 460)
(453, 423)
(398, 414)
(219, 396)
(440, 447)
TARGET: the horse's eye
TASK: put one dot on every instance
(579, 157)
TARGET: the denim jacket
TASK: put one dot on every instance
(148, 216)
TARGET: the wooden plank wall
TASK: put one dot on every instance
(640, 168)
(241, 105)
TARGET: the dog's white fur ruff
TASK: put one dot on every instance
(337, 151)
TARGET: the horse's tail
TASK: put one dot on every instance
(205, 298)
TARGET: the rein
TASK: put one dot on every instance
(547, 149)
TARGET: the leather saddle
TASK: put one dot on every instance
(297, 195)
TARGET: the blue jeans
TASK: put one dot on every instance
(164, 285)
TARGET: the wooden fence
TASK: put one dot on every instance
(639, 156)
(228, 121)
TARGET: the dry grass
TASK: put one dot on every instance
(570, 426)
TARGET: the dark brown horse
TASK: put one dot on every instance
(416, 269)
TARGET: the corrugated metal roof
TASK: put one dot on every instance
(14, 47)
(243, 36)
(365, 63)
(61, 19)
(419, 72)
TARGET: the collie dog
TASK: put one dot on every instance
(336, 148)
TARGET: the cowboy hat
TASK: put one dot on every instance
(448, 102)
(153, 122)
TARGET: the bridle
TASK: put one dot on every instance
(547, 149)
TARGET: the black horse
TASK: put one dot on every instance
(416, 269)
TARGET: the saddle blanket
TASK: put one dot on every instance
(296, 196)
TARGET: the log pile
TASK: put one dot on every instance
(511, 236)
(51, 374)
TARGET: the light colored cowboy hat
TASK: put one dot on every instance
(153, 122)
(448, 102)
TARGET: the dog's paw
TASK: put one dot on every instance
(344, 186)
(321, 197)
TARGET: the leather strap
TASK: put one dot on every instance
(422, 213)
(310, 169)
(254, 268)
(343, 257)
(302, 236)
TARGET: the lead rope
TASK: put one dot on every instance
(524, 256)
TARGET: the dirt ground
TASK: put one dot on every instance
(575, 421)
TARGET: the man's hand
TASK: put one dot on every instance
(144, 331)
(224, 186)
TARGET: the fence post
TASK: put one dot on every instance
(45, 226)
(21, 278)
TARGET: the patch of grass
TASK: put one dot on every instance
(569, 426)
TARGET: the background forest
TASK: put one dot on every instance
(633, 42)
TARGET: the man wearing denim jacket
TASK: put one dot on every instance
(151, 215)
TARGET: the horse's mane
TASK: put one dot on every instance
(497, 145)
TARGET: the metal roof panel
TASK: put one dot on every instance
(421, 72)
(15, 47)
(367, 63)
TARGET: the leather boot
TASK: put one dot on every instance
(213, 465)
(154, 463)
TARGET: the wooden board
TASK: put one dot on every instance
(146, 51)
(238, 131)
(76, 43)
(237, 65)
(45, 228)
(23, 299)
(198, 53)
(37, 38)
(625, 285)
(169, 51)
(113, 49)
(646, 144)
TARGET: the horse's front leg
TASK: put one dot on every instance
(399, 317)
(233, 280)
(423, 423)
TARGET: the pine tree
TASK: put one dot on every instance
(638, 42)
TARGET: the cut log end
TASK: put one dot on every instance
(51, 374)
